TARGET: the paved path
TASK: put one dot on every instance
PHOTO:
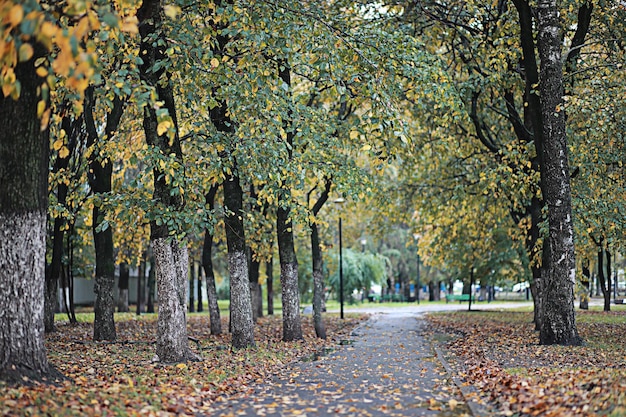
(388, 369)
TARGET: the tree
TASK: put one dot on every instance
(101, 168)
(207, 264)
(558, 324)
(317, 262)
(23, 205)
(170, 252)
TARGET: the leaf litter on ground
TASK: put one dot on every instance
(498, 354)
(120, 378)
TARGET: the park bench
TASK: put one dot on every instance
(457, 297)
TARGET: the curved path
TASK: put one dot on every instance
(387, 369)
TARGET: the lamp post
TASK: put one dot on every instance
(417, 284)
(340, 201)
(363, 243)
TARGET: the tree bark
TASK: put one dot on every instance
(586, 281)
(207, 263)
(242, 325)
(605, 280)
(122, 286)
(171, 255)
(292, 327)
(192, 289)
(100, 183)
(151, 284)
(23, 205)
(558, 321)
(318, 264)
(141, 282)
(269, 271)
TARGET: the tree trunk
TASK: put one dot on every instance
(318, 283)
(192, 290)
(122, 285)
(586, 281)
(151, 285)
(207, 263)
(171, 256)
(605, 280)
(141, 280)
(255, 289)
(269, 271)
(100, 183)
(242, 325)
(200, 307)
(558, 321)
(23, 204)
(292, 328)
(318, 264)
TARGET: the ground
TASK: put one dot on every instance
(383, 361)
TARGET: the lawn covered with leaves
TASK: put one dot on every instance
(498, 353)
(120, 378)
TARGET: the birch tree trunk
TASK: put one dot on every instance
(558, 319)
(23, 205)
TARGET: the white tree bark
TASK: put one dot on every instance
(242, 325)
(22, 277)
(171, 259)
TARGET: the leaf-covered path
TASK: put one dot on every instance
(386, 369)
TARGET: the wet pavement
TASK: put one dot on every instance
(387, 368)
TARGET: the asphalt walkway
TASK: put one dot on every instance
(387, 368)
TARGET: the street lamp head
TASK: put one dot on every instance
(340, 200)
(363, 241)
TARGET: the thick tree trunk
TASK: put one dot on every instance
(171, 256)
(23, 205)
(122, 286)
(242, 325)
(207, 263)
(292, 327)
(558, 322)
(172, 262)
(269, 271)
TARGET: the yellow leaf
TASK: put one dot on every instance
(366, 148)
(25, 52)
(41, 106)
(129, 25)
(16, 14)
(58, 144)
(171, 11)
(163, 126)
(181, 366)
(354, 134)
(215, 62)
(42, 72)
(64, 152)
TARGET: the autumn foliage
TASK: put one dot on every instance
(498, 354)
(119, 378)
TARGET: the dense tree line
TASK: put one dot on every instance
(254, 115)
